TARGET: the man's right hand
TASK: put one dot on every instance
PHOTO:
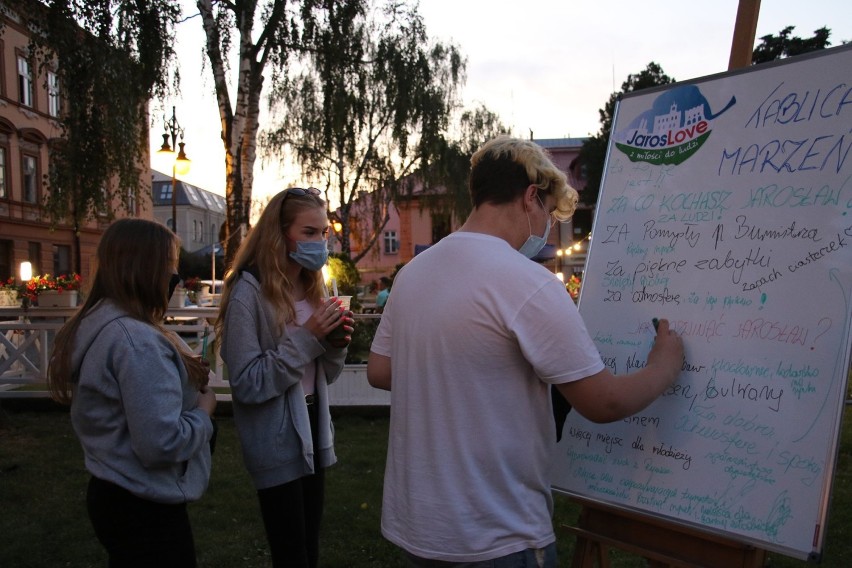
(666, 354)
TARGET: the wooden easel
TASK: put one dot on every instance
(666, 545)
(663, 544)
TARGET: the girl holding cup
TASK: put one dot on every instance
(274, 326)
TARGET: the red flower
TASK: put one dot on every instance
(59, 283)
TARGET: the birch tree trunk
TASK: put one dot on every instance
(240, 122)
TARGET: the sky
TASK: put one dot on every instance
(545, 66)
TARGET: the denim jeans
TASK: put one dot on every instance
(529, 558)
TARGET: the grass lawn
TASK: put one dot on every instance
(43, 522)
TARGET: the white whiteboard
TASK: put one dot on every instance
(726, 207)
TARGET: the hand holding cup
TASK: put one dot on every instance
(341, 335)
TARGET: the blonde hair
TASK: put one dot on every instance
(135, 262)
(266, 248)
(504, 166)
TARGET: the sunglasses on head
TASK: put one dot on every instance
(302, 191)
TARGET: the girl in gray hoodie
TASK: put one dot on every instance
(139, 401)
(275, 323)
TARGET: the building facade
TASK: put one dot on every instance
(30, 106)
(412, 227)
(200, 213)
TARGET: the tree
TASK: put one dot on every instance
(284, 34)
(593, 152)
(110, 58)
(239, 114)
(451, 170)
(773, 47)
(367, 108)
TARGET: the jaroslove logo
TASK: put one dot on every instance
(672, 130)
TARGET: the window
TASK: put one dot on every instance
(61, 259)
(201, 231)
(104, 206)
(391, 244)
(195, 231)
(3, 90)
(3, 192)
(166, 192)
(581, 223)
(132, 204)
(6, 271)
(170, 223)
(34, 256)
(30, 178)
(53, 100)
(25, 82)
(440, 227)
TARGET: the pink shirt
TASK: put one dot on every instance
(303, 311)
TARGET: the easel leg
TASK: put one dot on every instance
(661, 544)
(589, 553)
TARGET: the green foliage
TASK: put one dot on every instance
(366, 107)
(110, 58)
(41, 465)
(362, 339)
(450, 171)
(396, 270)
(772, 47)
(593, 152)
(342, 269)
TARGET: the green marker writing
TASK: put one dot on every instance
(204, 342)
(656, 323)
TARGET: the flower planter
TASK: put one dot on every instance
(178, 299)
(8, 298)
(57, 299)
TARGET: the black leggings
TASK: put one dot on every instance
(292, 514)
(137, 532)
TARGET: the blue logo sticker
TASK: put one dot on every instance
(673, 129)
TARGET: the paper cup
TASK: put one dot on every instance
(338, 332)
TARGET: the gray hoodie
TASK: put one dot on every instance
(265, 368)
(134, 410)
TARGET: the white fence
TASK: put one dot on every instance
(26, 341)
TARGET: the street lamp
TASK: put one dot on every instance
(181, 163)
(26, 274)
(336, 226)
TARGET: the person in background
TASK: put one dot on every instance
(384, 292)
(284, 342)
(469, 361)
(139, 401)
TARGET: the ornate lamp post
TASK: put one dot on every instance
(181, 164)
(26, 274)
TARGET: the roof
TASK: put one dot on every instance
(551, 143)
(187, 194)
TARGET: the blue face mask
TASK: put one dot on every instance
(312, 255)
(534, 243)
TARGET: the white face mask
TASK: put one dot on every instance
(534, 243)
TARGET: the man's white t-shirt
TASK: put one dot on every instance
(476, 332)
